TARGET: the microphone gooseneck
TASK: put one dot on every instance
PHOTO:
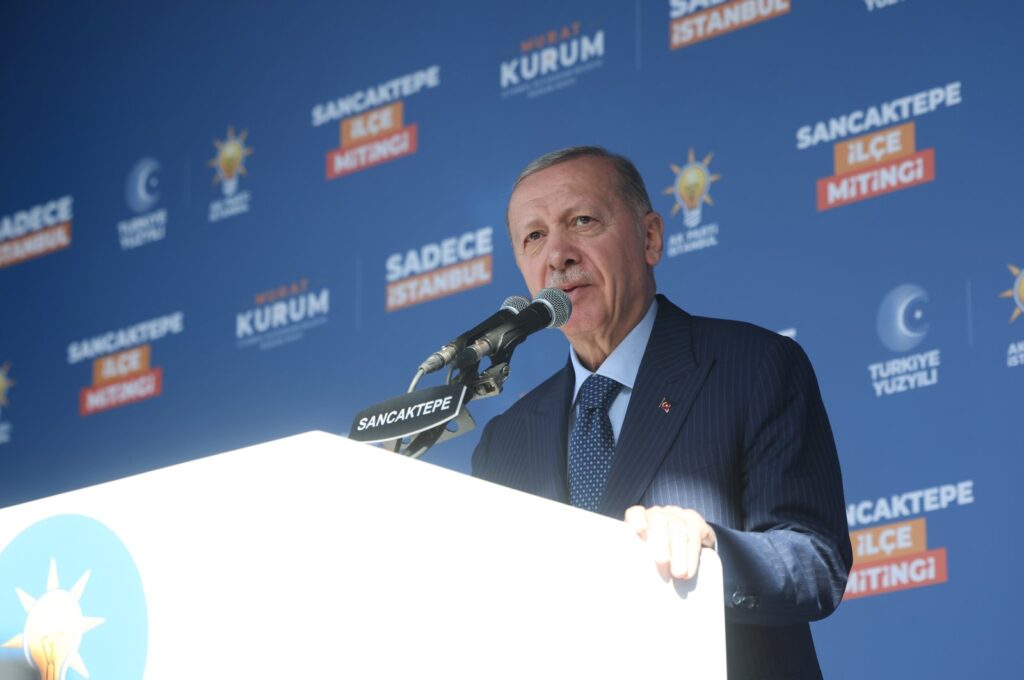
(512, 305)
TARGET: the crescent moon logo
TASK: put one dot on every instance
(902, 320)
(142, 188)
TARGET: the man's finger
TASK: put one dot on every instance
(659, 542)
(693, 551)
(681, 540)
(709, 540)
(636, 517)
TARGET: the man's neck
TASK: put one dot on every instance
(593, 349)
(593, 355)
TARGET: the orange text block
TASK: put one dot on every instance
(372, 124)
(439, 283)
(121, 365)
(889, 540)
(725, 18)
(874, 148)
(42, 242)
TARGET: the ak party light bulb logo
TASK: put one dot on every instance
(1016, 292)
(71, 604)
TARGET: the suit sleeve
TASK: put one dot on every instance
(479, 462)
(790, 561)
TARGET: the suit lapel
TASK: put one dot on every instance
(547, 436)
(669, 371)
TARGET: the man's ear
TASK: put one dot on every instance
(654, 237)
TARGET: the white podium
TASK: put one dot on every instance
(316, 557)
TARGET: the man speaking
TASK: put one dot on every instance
(697, 431)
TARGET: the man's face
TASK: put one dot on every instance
(571, 230)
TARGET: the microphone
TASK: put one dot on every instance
(509, 308)
(550, 309)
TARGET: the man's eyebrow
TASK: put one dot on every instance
(578, 208)
(564, 216)
(535, 222)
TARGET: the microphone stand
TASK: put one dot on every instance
(551, 308)
(479, 385)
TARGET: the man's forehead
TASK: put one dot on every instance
(586, 169)
(577, 183)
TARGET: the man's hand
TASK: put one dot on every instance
(675, 536)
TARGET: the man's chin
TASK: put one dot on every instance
(580, 326)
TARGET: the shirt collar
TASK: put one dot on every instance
(623, 363)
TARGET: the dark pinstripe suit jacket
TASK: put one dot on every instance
(746, 443)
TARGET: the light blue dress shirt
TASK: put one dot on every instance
(621, 366)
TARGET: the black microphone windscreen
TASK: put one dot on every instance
(559, 304)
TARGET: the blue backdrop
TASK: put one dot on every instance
(207, 211)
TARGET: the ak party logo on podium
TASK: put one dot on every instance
(72, 605)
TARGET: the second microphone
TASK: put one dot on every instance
(550, 309)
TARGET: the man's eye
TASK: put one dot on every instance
(533, 236)
(583, 220)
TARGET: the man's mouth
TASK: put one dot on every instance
(573, 291)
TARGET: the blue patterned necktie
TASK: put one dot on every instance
(592, 442)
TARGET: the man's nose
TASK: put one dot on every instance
(562, 251)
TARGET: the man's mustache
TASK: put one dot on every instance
(567, 278)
